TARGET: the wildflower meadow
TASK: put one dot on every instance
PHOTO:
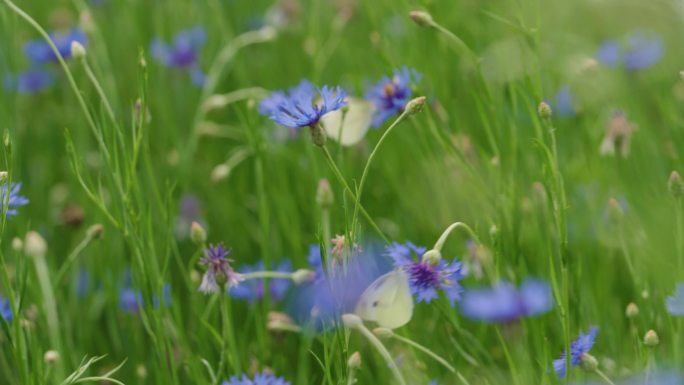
(339, 192)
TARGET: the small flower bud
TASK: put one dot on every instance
(317, 134)
(354, 361)
(432, 257)
(51, 356)
(351, 321)
(78, 51)
(3, 176)
(588, 362)
(324, 194)
(198, 235)
(220, 172)
(17, 244)
(422, 18)
(632, 310)
(383, 333)
(35, 245)
(415, 105)
(651, 339)
(95, 231)
(141, 371)
(302, 276)
(544, 110)
(675, 185)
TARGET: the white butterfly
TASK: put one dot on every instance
(349, 126)
(387, 301)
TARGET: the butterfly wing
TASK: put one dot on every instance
(387, 301)
(351, 126)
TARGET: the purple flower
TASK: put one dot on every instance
(40, 52)
(259, 379)
(183, 53)
(675, 303)
(424, 279)
(130, 300)
(505, 303)
(30, 81)
(609, 53)
(253, 289)
(15, 200)
(218, 271)
(5, 309)
(302, 105)
(563, 104)
(390, 95)
(578, 348)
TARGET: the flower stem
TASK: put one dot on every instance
(340, 178)
(604, 377)
(383, 352)
(72, 258)
(442, 239)
(267, 274)
(426, 351)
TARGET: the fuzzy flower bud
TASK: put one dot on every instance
(220, 172)
(51, 356)
(35, 245)
(383, 333)
(588, 362)
(632, 310)
(415, 105)
(422, 18)
(351, 321)
(95, 231)
(432, 257)
(354, 361)
(317, 134)
(3, 176)
(544, 110)
(302, 276)
(17, 244)
(198, 235)
(651, 339)
(78, 51)
(324, 194)
(675, 185)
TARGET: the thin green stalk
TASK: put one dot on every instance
(72, 258)
(507, 353)
(50, 307)
(340, 178)
(604, 377)
(425, 350)
(100, 91)
(353, 321)
(364, 174)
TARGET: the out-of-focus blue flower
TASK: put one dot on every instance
(130, 300)
(259, 379)
(562, 104)
(505, 303)
(424, 279)
(40, 52)
(189, 210)
(641, 51)
(578, 348)
(15, 200)
(253, 289)
(675, 303)
(219, 271)
(6, 309)
(390, 95)
(302, 105)
(182, 53)
(29, 82)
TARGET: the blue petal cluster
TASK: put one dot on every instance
(15, 200)
(302, 105)
(254, 289)
(5, 309)
(390, 95)
(579, 347)
(40, 52)
(130, 300)
(182, 53)
(675, 303)
(641, 51)
(424, 279)
(505, 303)
(264, 378)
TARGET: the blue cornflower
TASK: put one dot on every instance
(675, 303)
(578, 348)
(219, 272)
(562, 103)
(30, 82)
(264, 378)
(40, 52)
(6, 309)
(190, 210)
(505, 303)
(302, 105)
(15, 200)
(253, 289)
(183, 53)
(130, 300)
(390, 95)
(425, 279)
(641, 51)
